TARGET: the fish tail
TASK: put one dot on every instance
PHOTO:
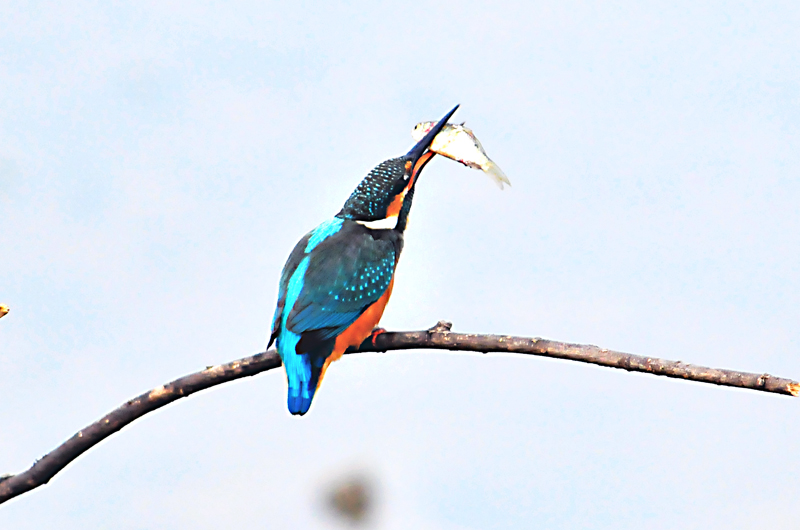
(496, 174)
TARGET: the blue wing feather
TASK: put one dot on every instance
(313, 317)
(345, 276)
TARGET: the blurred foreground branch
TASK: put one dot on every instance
(439, 337)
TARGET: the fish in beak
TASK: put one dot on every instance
(419, 155)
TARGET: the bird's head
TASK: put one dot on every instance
(383, 198)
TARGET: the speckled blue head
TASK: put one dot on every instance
(387, 191)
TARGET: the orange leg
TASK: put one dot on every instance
(375, 333)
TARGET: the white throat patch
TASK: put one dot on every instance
(388, 223)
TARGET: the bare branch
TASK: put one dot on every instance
(46, 468)
(439, 337)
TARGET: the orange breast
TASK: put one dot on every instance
(358, 330)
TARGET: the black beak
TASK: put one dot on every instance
(418, 150)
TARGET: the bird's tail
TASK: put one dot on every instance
(299, 400)
(301, 393)
(496, 174)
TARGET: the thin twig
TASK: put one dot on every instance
(439, 337)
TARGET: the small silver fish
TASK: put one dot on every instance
(460, 144)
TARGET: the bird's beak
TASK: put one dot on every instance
(418, 150)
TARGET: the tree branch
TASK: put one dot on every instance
(438, 337)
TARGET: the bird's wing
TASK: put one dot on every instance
(346, 274)
(291, 266)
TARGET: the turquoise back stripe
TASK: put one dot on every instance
(296, 369)
(323, 231)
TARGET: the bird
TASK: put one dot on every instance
(339, 277)
(3, 310)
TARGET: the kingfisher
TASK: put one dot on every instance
(339, 277)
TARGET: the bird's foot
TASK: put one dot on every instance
(374, 335)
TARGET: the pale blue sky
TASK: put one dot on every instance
(158, 163)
